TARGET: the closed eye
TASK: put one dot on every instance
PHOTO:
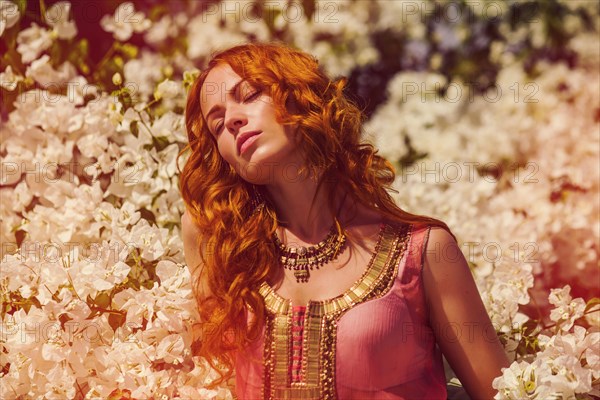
(252, 96)
(218, 126)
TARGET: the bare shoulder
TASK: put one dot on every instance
(188, 227)
(441, 242)
(445, 269)
(192, 242)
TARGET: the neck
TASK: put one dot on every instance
(292, 201)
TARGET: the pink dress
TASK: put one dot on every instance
(371, 342)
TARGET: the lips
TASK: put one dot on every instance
(243, 137)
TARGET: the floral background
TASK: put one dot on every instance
(490, 111)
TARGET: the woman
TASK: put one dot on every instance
(312, 283)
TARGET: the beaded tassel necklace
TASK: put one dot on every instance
(302, 259)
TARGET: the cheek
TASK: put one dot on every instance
(226, 151)
(265, 110)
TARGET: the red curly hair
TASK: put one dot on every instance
(236, 250)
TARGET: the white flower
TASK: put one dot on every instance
(584, 44)
(170, 349)
(117, 79)
(9, 15)
(21, 197)
(409, 15)
(544, 378)
(117, 218)
(96, 146)
(143, 73)
(69, 214)
(171, 126)
(560, 297)
(573, 344)
(149, 239)
(57, 16)
(592, 357)
(43, 73)
(348, 23)
(98, 267)
(32, 42)
(567, 310)
(61, 383)
(8, 80)
(205, 33)
(523, 381)
(167, 159)
(568, 376)
(172, 276)
(125, 22)
(168, 89)
(163, 29)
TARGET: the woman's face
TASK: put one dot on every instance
(242, 120)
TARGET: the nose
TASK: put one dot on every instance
(235, 120)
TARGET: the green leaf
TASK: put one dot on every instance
(21, 4)
(189, 77)
(116, 320)
(309, 8)
(527, 345)
(103, 300)
(157, 12)
(160, 142)
(77, 55)
(133, 127)
(63, 319)
(129, 50)
(82, 46)
(125, 99)
(32, 301)
(592, 303)
(529, 327)
(148, 215)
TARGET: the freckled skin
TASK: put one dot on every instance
(247, 109)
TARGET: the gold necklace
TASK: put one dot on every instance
(302, 259)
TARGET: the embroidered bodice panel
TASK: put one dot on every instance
(373, 341)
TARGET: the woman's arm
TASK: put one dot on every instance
(458, 317)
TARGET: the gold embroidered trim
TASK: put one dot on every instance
(267, 353)
(320, 330)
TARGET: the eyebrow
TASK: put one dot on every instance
(233, 89)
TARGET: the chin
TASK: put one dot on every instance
(262, 165)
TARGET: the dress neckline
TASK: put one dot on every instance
(387, 241)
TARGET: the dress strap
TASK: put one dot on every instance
(415, 256)
(424, 240)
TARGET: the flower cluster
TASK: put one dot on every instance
(96, 299)
(567, 362)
